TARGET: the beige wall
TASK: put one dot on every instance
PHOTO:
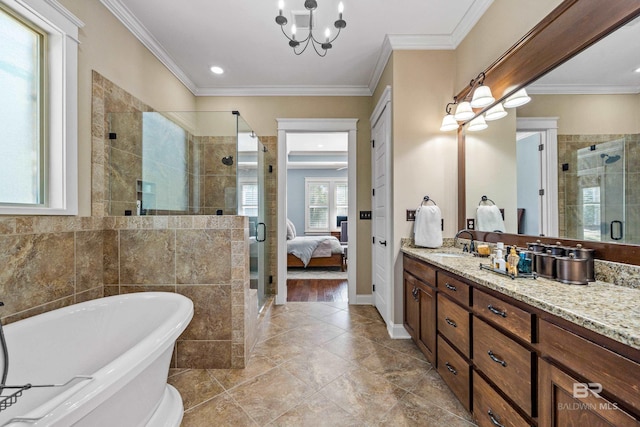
(501, 26)
(261, 112)
(424, 159)
(491, 168)
(109, 48)
(587, 114)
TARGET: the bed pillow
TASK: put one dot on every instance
(291, 230)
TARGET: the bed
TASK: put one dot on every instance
(313, 251)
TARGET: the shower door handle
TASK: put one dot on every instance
(619, 229)
(264, 232)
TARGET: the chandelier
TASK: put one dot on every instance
(300, 46)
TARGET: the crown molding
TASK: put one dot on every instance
(285, 91)
(125, 16)
(555, 89)
(451, 41)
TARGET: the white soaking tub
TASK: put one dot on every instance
(122, 343)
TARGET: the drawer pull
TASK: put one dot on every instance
(495, 359)
(451, 369)
(450, 287)
(496, 311)
(450, 322)
(494, 420)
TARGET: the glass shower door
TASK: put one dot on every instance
(601, 179)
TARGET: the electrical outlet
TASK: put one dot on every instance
(471, 223)
(411, 214)
(365, 214)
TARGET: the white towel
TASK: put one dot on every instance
(489, 218)
(428, 227)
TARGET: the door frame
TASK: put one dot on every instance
(316, 125)
(384, 107)
(548, 128)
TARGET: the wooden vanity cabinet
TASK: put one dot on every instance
(420, 305)
(511, 364)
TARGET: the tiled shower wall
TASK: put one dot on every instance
(568, 207)
(202, 257)
(48, 263)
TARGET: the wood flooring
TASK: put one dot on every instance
(317, 290)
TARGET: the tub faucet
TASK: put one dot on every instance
(472, 247)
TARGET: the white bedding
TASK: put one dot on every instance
(307, 247)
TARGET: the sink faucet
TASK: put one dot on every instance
(472, 247)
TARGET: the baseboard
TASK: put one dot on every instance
(364, 299)
(397, 331)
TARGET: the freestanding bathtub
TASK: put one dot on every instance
(123, 343)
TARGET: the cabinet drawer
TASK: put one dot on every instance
(505, 315)
(618, 376)
(490, 409)
(454, 323)
(419, 269)
(455, 371)
(505, 362)
(453, 287)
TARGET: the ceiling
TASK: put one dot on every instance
(241, 36)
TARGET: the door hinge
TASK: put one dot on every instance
(540, 147)
(541, 192)
(373, 192)
(373, 143)
(374, 287)
(373, 240)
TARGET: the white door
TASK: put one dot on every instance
(381, 241)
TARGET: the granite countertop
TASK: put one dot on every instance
(608, 309)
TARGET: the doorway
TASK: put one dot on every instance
(292, 133)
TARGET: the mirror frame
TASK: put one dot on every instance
(569, 29)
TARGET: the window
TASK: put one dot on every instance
(325, 199)
(38, 108)
(248, 199)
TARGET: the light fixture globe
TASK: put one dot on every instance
(517, 99)
(449, 123)
(477, 124)
(496, 112)
(482, 97)
(464, 112)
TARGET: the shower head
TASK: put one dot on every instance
(610, 159)
(227, 160)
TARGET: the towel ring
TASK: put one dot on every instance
(484, 200)
(427, 199)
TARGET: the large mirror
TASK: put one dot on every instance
(567, 164)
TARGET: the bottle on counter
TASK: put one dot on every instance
(525, 264)
(512, 262)
(501, 264)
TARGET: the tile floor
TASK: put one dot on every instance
(322, 364)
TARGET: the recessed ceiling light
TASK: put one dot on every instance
(637, 70)
(217, 70)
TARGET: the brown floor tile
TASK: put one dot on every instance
(318, 369)
(195, 386)
(363, 394)
(322, 364)
(414, 411)
(219, 411)
(268, 396)
(318, 411)
(230, 378)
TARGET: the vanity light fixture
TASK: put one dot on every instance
(482, 96)
(496, 112)
(477, 124)
(464, 112)
(517, 99)
(320, 47)
(449, 122)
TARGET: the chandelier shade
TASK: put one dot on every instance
(300, 45)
